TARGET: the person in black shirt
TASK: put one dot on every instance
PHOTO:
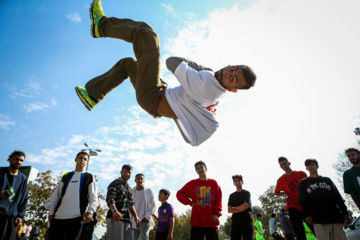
(322, 204)
(240, 207)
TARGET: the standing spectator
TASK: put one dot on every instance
(166, 219)
(274, 230)
(88, 228)
(288, 185)
(286, 225)
(323, 205)
(74, 201)
(258, 227)
(351, 176)
(13, 196)
(120, 201)
(240, 207)
(204, 195)
(144, 203)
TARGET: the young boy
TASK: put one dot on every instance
(322, 204)
(258, 227)
(191, 105)
(165, 220)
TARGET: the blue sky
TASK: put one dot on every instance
(305, 103)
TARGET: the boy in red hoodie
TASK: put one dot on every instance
(204, 195)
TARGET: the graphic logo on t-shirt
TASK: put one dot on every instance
(294, 186)
(11, 189)
(321, 185)
(203, 196)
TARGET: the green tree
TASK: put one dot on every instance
(225, 230)
(40, 191)
(270, 203)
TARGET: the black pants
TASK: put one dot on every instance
(296, 219)
(198, 233)
(289, 236)
(242, 228)
(7, 228)
(161, 235)
(64, 228)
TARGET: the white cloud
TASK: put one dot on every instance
(6, 122)
(74, 17)
(40, 106)
(30, 89)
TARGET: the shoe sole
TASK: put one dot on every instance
(92, 27)
(83, 100)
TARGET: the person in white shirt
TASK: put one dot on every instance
(74, 201)
(144, 203)
(274, 230)
(191, 105)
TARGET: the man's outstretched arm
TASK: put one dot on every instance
(173, 62)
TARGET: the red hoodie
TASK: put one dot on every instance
(207, 198)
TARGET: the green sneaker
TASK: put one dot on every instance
(96, 13)
(85, 98)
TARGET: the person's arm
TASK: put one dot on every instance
(239, 208)
(355, 199)
(171, 228)
(183, 195)
(55, 199)
(173, 62)
(152, 207)
(279, 189)
(155, 217)
(133, 212)
(217, 203)
(303, 201)
(340, 203)
(110, 200)
(93, 201)
(23, 202)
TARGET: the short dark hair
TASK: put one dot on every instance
(139, 174)
(79, 153)
(127, 167)
(16, 153)
(283, 209)
(237, 176)
(258, 215)
(249, 75)
(200, 163)
(273, 215)
(165, 192)
(352, 150)
(311, 160)
(282, 159)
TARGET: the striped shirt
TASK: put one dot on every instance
(120, 193)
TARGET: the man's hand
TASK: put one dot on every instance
(5, 196)
(169, 236)
(309, 220)
(215, 218)
(347, 219)
(87, 217)
(117, 216)
(18, 221)
(50, 218)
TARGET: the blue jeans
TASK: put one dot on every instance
(142, 233)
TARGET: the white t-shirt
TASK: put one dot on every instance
(197, 91)
(139, 204)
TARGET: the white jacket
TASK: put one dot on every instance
(150, 207)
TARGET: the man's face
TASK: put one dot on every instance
(125, 174)
(231, 77)
(354, 157)
(200, 170)
(284, 165)
(16, 161)
(312, 168)
(238, 183)
(82, 160)
(140, 180)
